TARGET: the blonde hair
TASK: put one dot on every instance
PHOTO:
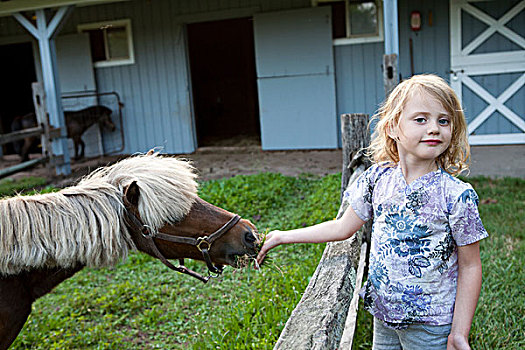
(383, 148)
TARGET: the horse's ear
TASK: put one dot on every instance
(132, 193)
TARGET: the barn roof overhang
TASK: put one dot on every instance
(10, 7)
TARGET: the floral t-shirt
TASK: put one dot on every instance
(416, 230)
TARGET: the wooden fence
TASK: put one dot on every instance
(325, 317)
(46, 133)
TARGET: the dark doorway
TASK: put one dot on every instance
(222, 62)
(17, 68)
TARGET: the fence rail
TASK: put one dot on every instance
(45, 132)
(31, 132)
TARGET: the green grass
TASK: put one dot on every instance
(10, 187)
(499, 322)
(142, 304)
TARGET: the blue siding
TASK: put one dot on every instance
(359, 79)
(431, 45)
(156, 89)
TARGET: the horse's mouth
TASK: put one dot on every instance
(240, 261)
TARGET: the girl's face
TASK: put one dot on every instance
(424, 131)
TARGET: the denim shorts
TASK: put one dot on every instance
(415, 337)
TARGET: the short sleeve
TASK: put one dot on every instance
(359, 194)
(464, 219)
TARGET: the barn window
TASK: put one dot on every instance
(111, 42)
(355, 21)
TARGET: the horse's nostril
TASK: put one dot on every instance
(250, 238)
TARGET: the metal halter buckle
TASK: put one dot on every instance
(202, 240)
(147, 231)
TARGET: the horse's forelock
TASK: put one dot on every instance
(167, 185)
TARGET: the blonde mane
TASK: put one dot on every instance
(84, 224)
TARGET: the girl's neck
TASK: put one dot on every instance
(412, 170)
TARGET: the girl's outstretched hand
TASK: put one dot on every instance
(272, 240)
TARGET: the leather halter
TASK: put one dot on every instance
(203, 244)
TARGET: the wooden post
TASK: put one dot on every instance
(42, 120)
(355, 137)
(390, 73)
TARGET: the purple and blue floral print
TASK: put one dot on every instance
(415, 233)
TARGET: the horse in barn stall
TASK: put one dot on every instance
(145, 202)
(77, 122)
(25, 146)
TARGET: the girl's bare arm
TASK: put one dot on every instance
(467, 295)
(329, 231)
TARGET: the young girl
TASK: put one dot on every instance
(425, 271)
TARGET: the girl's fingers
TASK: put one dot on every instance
(268, 244)
(260, 259)
(262, 254)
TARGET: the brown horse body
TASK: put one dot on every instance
(77, 122)
(18, 291)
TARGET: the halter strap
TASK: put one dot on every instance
(203, 244)
(198, 241)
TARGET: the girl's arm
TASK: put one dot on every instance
(468, 289)
(334, 230)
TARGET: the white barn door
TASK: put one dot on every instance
(295, 79)
(488, 68)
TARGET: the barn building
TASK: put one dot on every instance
(190, 72)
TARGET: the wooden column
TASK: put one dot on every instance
(45, 32)
(391, 27)
(390, 58)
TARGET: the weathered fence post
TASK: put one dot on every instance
(42, 120)
(390, 73)
(318, 321)
(355, 137)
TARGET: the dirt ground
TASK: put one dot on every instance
(210, 162)
(227, 161)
